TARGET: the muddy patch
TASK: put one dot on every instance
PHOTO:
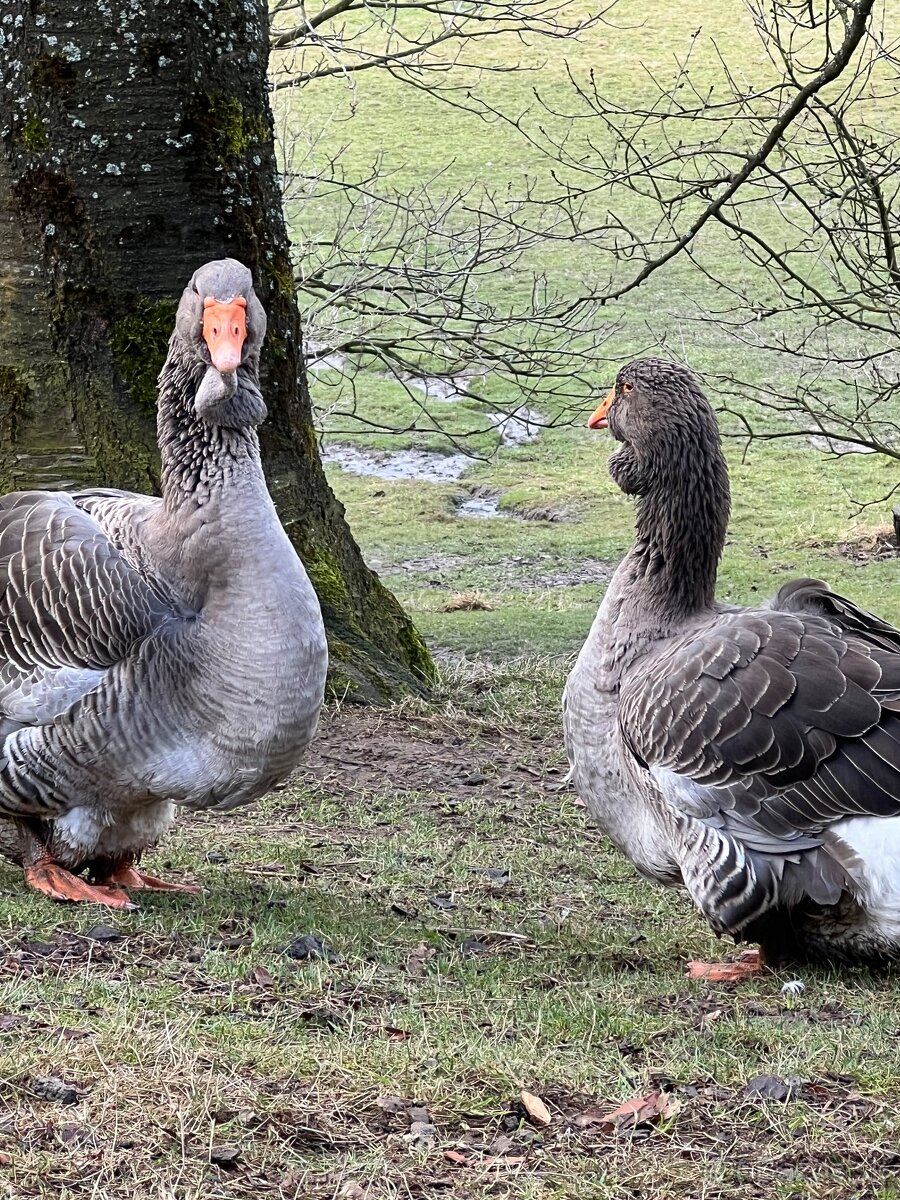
(425, 465)
(873, 545)
(369, 751)
(518, 428)
(481, 508)
(589, 570)
(479, 501)
(547, 512)
(431, 564)
(517, 573)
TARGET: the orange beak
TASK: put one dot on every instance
(224, 331)
(598, 417)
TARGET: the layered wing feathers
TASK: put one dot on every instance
(788, 718)
(71, 604)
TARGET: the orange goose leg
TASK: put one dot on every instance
(45, 875)
(749, 963)
(124, 874)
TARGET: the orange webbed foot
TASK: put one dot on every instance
(50, 879)
(128, 876)
(750, 963)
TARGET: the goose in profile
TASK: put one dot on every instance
(155, 652)
(750, 755)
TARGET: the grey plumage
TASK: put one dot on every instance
(157, 651)
(751, 754)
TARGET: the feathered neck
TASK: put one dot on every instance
(682, 518)
(200, 456)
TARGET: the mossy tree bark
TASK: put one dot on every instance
(137, 143)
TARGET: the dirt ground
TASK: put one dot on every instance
(375, 750)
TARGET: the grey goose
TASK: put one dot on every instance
(155, 651)
(751, 755)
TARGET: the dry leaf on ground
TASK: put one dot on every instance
(747, 965)
(483, 1160)
(639, 1110)
(467, 602)
(395, 1033)
(538, 1112)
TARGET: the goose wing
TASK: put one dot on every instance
(121, 516)
(71, 605)
(781, 721)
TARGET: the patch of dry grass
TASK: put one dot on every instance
(864, 544)
(467, 602)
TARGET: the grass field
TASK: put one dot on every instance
(464, 933)
(476, 937)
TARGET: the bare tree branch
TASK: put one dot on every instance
(410, 38)
(782, 196)
(402, 282)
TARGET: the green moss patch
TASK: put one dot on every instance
(139, 342)
(223, 129)
(33, 135)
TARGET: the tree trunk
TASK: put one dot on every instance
(138, 143)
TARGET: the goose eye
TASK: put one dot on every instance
(627, 387)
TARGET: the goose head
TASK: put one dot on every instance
(662, 419)
(220, 325)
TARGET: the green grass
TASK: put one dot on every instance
(194, 1037)
(594, 1007)
(792, 505)
(792, 512)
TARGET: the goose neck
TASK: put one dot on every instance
(682, 520)
(201, 461)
